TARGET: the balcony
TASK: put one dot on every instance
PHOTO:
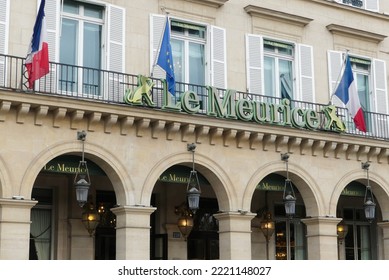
(109, 87)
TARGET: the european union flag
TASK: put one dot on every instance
(165, 59)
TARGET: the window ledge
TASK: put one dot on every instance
(213, 3)
(353, 32)
(352, 9)
(277, 15)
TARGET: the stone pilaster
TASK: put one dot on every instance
(235, 235)
(385, 238)
(15, 221)
(322, 238)
(133, 232)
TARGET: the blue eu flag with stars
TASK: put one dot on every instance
(165, 59)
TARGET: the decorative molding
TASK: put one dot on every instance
(356, 33)
(212, 3)
(277, 15)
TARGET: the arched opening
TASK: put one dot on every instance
(57, 230)
(169, 197)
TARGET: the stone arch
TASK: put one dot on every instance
(210, 169)
(114, 169)
(376, 181)
(5, 182)
(307, 186)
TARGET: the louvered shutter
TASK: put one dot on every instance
(157, 23)
(306, 73)
(4, 12)
(335, 71)
(115, 53)
(254, 62)
(218, 57)
(49, 82)
(372, 5)
(380, 99)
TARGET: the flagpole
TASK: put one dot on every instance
(160, 41)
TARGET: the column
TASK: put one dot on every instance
(322, 238)
(385, 238)
(82, 245)
(235, 235)
(15, 221)
(133, 232)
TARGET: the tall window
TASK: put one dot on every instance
(80, 45)
(278, 69)
(199, 54)
(297, 233)
(358, 241)
(361, 69)
(41, 229)
(188, 44)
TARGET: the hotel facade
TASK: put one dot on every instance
(253, 113)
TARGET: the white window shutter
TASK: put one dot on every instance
(116, 39)
(335, 72)
(380, 86)
(52, 15)
(4, 23)
(254, 62)
(115, 52)
(380, 99)
(306, 73)
(218, 57)
(372, 5)
(157, 25)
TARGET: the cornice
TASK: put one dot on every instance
(351, 9)
(64, 112)
(212, 3)
(357, 33)
(262, 12)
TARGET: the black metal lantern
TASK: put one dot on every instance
(90, 218)
(368, 202)
(82, 180)
(193, 189)
(289, 197)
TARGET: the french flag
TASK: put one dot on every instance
(347, 93)
(37, 60)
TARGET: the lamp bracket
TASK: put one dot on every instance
(191, 147)
(365, 165)
(81, 135)
(285, 157)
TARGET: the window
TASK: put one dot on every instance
(371, 5)
(85, 35)
(188, 46)
(41, 228)
(80, 45)
(370, 78)
(199, 52)
(277, 68)
(297, 233)
(358, 241)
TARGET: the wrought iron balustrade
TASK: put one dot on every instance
(110, 87)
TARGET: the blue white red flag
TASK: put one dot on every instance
(165, 59)
(347, 93)
(37, 60)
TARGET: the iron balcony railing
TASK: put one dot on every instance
(110, 87)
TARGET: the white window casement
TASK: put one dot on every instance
(370, 5)
(4, 26)
(199, 52)
(370, 77)
(277, 68)
(84, 34)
